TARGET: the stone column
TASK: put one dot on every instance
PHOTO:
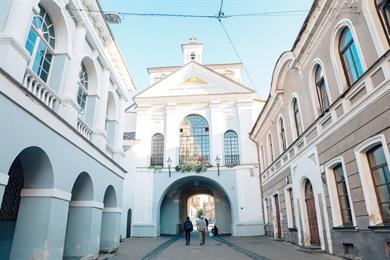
(109, 239)
(217, 128)
(3, 183)
(69, 108)
(172, 135)
(83, 229)
(15, 24)
(247, 147)
(99, 137)
(119, 154)
(41, 224)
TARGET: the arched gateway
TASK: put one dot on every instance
(174, 204)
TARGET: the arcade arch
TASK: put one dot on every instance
(173, 207)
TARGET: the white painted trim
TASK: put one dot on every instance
(87, 204)
(50, 193)
(374, 27)
(333, 194)
(289, 207)
(4, 179)
(112, 210)
(373, 210)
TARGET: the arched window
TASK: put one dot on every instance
(232, 156)
(282, 135)
(40, 44)
(193, 56)
(82, 93)
(323, 99)
(157, 151)
(194, 140)
(383, 7)
(297, 117)
(271, 148)
(350, 58)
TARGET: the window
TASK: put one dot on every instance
(291, 200)
(342, 194)
(232, 156)
(82, 93)
(350, 57)
(381, 178)
(157, 153)
(297, 117)
(194, 140)
(192, 56)
(321, 89)
(40, 44)
(271, 148)
(282, 135)
(383, 7)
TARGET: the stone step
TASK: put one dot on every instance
(311, 249)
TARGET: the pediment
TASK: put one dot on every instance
(193, 79)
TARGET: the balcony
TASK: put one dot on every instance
(40, 89)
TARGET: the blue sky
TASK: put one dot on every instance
(155, 41)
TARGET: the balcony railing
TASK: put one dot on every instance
(40, 89)
(84, 129)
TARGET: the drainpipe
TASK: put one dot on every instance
(260, 181)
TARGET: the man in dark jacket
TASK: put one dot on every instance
(188, 227)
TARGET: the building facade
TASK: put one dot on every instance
(323, 136)
(63, 90)
(192, 126)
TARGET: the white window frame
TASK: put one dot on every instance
(373, 210)
(333, 193)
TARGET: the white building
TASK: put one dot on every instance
(63, 90)
(189, 116)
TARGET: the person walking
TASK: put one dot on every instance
(201, 226)
(188, 227)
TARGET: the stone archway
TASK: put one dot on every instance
(25, 207)
(173, 207)
(84, 220)
(109, 238)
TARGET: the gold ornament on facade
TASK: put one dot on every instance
(194, 80)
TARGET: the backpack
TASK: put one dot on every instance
(188, 226)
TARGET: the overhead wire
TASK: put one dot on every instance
(238, 54)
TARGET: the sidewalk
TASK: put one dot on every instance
(136, 248)
(276, 250)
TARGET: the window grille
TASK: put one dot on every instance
(194, 140)
(82, 93)
(157, 152)
(232, 155)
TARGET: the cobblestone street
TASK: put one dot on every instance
(227, 248)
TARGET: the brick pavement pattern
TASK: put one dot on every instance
(227, 248)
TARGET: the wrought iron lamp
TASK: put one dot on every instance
(169, 161)
(217, 161)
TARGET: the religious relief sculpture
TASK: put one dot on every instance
(194, 80)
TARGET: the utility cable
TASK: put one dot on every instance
(237, 53)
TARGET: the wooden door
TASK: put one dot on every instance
(128, 229)
(278, 225)
(311, 214)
